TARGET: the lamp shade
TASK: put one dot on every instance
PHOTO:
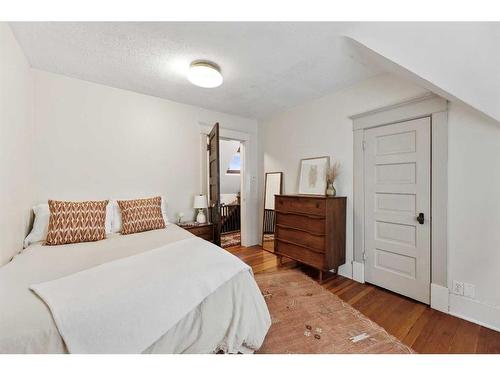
(200, 201)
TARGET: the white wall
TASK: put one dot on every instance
(474, 213)
(94, 141)
(457, 60)
(229, 183)
(16, 127)
(323, 127)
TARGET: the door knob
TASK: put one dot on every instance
(421, 218)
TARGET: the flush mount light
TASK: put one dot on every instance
(205, 74)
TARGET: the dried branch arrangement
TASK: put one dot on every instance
(333, 172)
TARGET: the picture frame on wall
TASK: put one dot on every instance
(312, 179)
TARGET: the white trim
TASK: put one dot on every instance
(358, 198)
(399, 104)
(345, 270)
(439, 196)
(421, 106)
(244, 194)
(475, 312)
(358, 272)
(440, 298)
(225, 133)
(431, 106)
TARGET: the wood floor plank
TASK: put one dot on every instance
(440, 335)
(398, 320)
(334, 282)
(417, 328)
(359, 296)
(384, 311)
(424, 329)
(348, 293)
(488, 341)
(408, 318)
(376, 306)
(341, 285)
(466, 338)
(363, 304)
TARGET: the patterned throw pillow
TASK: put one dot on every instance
(140, 215)
(72, 222)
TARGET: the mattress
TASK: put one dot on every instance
(234, 318)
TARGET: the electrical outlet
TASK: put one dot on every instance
(469, 290)
(458, 287)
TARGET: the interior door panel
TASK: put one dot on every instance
(397, 161)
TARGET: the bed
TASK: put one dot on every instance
(234, 318)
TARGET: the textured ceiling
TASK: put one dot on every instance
(267, 67)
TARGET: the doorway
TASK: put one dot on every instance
(388, 234)
(223, 180)
(230, 192)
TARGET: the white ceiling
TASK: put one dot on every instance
(267, 67)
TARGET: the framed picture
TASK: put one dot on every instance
(313, 175)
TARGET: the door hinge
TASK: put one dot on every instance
(208, 147)
(364, 145)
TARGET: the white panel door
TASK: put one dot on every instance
(397, 179)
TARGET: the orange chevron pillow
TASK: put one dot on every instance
(140, 215)
(72, 222)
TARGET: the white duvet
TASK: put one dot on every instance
(169, 292)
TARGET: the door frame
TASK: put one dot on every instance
(436, 108)
(243, 138)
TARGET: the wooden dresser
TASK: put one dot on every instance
(311, 230)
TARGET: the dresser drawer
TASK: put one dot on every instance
(302, 238)
(308, 223)
(300, 254)
(304, 205)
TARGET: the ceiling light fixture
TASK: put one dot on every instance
(205, 74)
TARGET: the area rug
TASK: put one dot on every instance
(230, 239)
(307, 318)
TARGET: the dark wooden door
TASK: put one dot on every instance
(214, 181)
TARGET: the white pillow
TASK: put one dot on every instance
(116, 225)
(41, 223)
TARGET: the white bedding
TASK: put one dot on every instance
(233, 318)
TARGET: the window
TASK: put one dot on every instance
(235, 163)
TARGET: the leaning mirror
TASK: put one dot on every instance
(272, 187)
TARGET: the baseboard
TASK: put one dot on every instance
(475, 312)
(440, 298)
(358, 272)
(345, 270)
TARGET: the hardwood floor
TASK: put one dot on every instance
(424, 329)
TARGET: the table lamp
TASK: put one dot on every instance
(200, 202)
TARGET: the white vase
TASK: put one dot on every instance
(200, 218)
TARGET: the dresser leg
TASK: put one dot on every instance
(324, 276)
(280, 260)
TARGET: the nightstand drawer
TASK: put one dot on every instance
(207, 236)
(200, 231)
(205, 231)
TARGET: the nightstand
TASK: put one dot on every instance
(205, 231)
